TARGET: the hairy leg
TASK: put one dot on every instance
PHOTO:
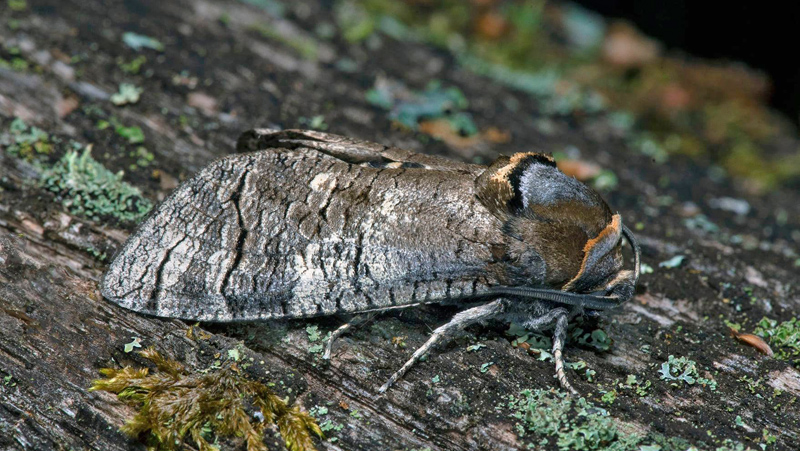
(543, 321)
(561, 318)
(559, 336)
(459, 321)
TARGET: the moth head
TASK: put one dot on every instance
(563, 242)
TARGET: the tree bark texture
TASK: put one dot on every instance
(218, 76)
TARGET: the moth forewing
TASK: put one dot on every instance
(290, 233)
(303, 224)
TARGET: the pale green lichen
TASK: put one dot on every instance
(553, 418)
(127, 94)
(572, 424)
(409, 108)
(139, 41)
(175, 405)
(784, 337)
(314, 333)
(680, 370)
(673, 262)
(26, 142)
(633, 383)
(314, 336)
(85, 187)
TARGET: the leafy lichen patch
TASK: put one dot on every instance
(26, 142)
(682, 369)
(87, 188)
(411, 108)
(571, 424)
(785, 337)
(127, 94)
(555, 420)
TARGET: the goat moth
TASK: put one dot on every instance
(299, 224)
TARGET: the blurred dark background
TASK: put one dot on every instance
(762, 34)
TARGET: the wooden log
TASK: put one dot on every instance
(217, 76)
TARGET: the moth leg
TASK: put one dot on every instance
(354, 322)
(459, 321)
(559, 336)
(540, 322)
(561, 318)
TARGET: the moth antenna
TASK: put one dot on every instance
(459, 321)
(559, 336)
(582, 300)
(562, 297)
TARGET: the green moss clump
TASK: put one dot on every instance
(575, 424)
(175, 405)
(88, 188)
(17, 5)
(133, 66)
(26, 142)
(785, 337)
(306, 46)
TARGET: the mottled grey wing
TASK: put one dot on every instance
(287, 233)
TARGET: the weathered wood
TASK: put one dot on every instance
(56, 331)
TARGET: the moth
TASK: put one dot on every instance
(299, 224)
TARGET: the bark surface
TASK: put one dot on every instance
(217, 77)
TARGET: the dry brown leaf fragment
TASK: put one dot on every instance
(752, 340)
(203, 102)
(580, 169)
(491, 25)
(496, 135)
(66, 105)
(443, 129)
(625, 46)
(531, 351)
